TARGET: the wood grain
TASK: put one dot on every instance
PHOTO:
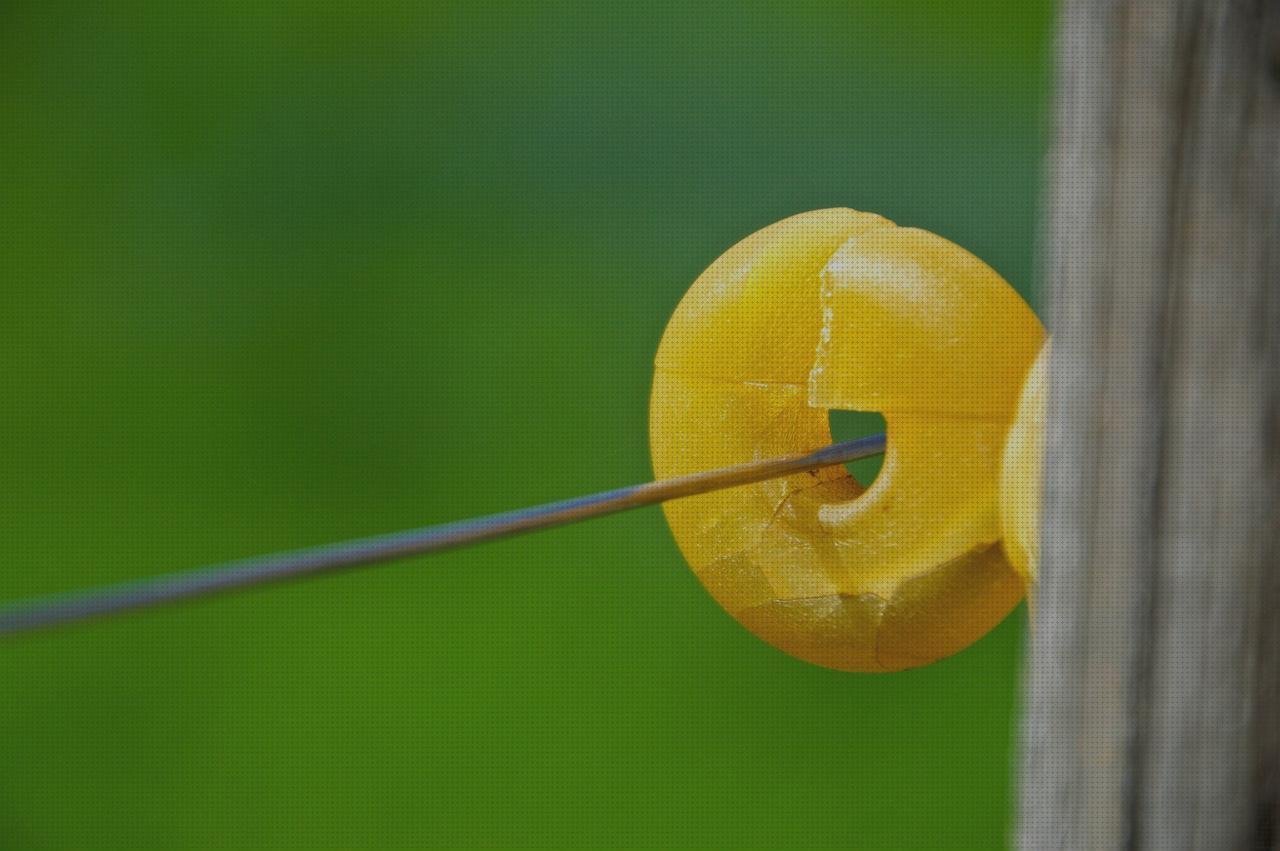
(1152, 712)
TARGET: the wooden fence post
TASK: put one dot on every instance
(1153, 689)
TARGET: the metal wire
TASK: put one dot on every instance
(82, 605)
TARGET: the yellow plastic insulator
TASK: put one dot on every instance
(1021, 474)
(841, 309)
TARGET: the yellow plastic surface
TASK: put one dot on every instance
(1021, 474)
(841, 309)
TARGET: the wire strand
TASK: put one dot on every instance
(43, 612)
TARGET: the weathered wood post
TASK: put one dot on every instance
(1153, 692)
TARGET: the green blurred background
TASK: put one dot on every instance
(280, 273)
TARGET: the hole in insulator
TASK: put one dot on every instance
(847, 425)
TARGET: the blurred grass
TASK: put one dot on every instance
(288, 272)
